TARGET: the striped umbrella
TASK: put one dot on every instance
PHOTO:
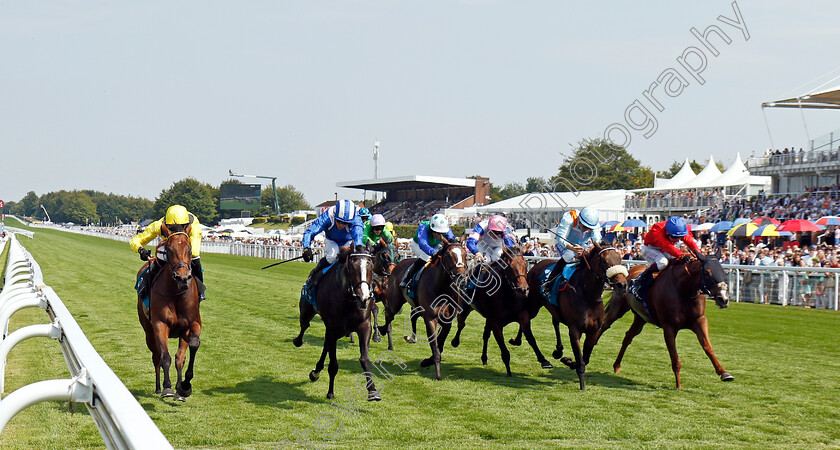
(766, 221)
(743, 230)
(769, 231)
(828, 220)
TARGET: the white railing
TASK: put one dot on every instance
(122, 422)
(812, 287)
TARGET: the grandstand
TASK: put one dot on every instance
(411, 199)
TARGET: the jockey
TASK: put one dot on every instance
(659, 248)
(576, 229)
(364, 213)
(427, 240)
(177, 219)
(375, 232)
(342, 229)
(489, 239)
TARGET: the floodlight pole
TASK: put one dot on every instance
(273, 187)
(375, 167)
(46, 214)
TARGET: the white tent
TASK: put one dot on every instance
(685, 175)
(709, 173)
(610, 203)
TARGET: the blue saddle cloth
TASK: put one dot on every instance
(309, 294)
(138, 286)
(568, 271)
(412, 284)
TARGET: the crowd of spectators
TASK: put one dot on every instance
(811, 205)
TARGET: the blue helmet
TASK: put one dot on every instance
(675, 226)
(588, 216)
(364, 212)
(345, 211)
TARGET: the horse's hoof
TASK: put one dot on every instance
(330, 396)
(515, 342)
(377, 338)
(297, 342)
(178, 398)
(456, 342)
(509, 374)
(569, 362)
(157, 391)
(546, 365)
(616, 368)
(726, 377)
(483, 360)
(427, 362)
(410, 340)
(373, 396)
(183, 389)
(557, 354)
(313, 376)
(168, 392)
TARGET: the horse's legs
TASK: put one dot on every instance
(364, 359)
(194, 341)
(701, 329)
(414, 327)
(331, 341)
(180, 357)
(589, 344)
(517, 341)
(162, 341)
(577, 364)
(462, 321)
(315, 373)
(615, 310)
(307, 312)
(635, 329)
(525, 328)
(485, 337)
(500, 339)
(558, 350)
(390, 338)
(350, 335)
(671, 343)
(377, 337)
(431, 329)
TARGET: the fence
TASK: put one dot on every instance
(122, 422)
(801, 286)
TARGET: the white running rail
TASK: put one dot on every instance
(122, 422)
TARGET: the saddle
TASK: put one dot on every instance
(410, 290)
(560, 283)
(640, 306)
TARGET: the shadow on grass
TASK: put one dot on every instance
(266, 391)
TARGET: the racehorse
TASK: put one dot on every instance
(394, 300)
(173, 310)
(676, 301)
(579, 305)
(500, 296)
(344, 304)
(385, 258)
(437, 296)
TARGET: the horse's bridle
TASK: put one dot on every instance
(358, 286)
(512, 282)
(177, 265)
(609, 272)
(452, 272)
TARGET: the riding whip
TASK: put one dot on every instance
(281, 262)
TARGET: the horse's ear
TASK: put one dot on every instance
(717, 253)
(164, 230)
(596, 246)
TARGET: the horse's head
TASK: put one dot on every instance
(606, 262)
(385, 258)
(712, 279)
(176, 241)
(515, 269)
(452, 257)
(360, 275)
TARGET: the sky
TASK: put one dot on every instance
(130, 97)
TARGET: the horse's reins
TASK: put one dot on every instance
(606, 277)
(359, 284)
(174, 266)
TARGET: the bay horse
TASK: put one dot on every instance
(579, 305)
(173, 310)
(676, 301)
(385, 258)
(500, 296)
(344, 304)
(437, 296)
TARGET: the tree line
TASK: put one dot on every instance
(93, 207)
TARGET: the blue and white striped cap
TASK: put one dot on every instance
(345, 211)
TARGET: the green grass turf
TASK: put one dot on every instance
(251, 388)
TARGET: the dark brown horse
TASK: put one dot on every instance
(394, 300)
(579, 305)
(173, 308)
(437, 296)
(676, 301)
(385, 258)
(344, 304)
(500, 296)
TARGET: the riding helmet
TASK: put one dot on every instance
(177, 215)
(675, 226)
(344, 211)
(588, 217)
(439, 223)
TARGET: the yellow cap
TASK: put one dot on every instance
(389, 226)
(177, 214)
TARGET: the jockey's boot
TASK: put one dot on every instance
(640, 285)
(198, 273)
(409, 274)
(315, 276)
(555, 272)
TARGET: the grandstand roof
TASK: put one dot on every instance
(546, 201)
(407, 182)
(828, 99)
